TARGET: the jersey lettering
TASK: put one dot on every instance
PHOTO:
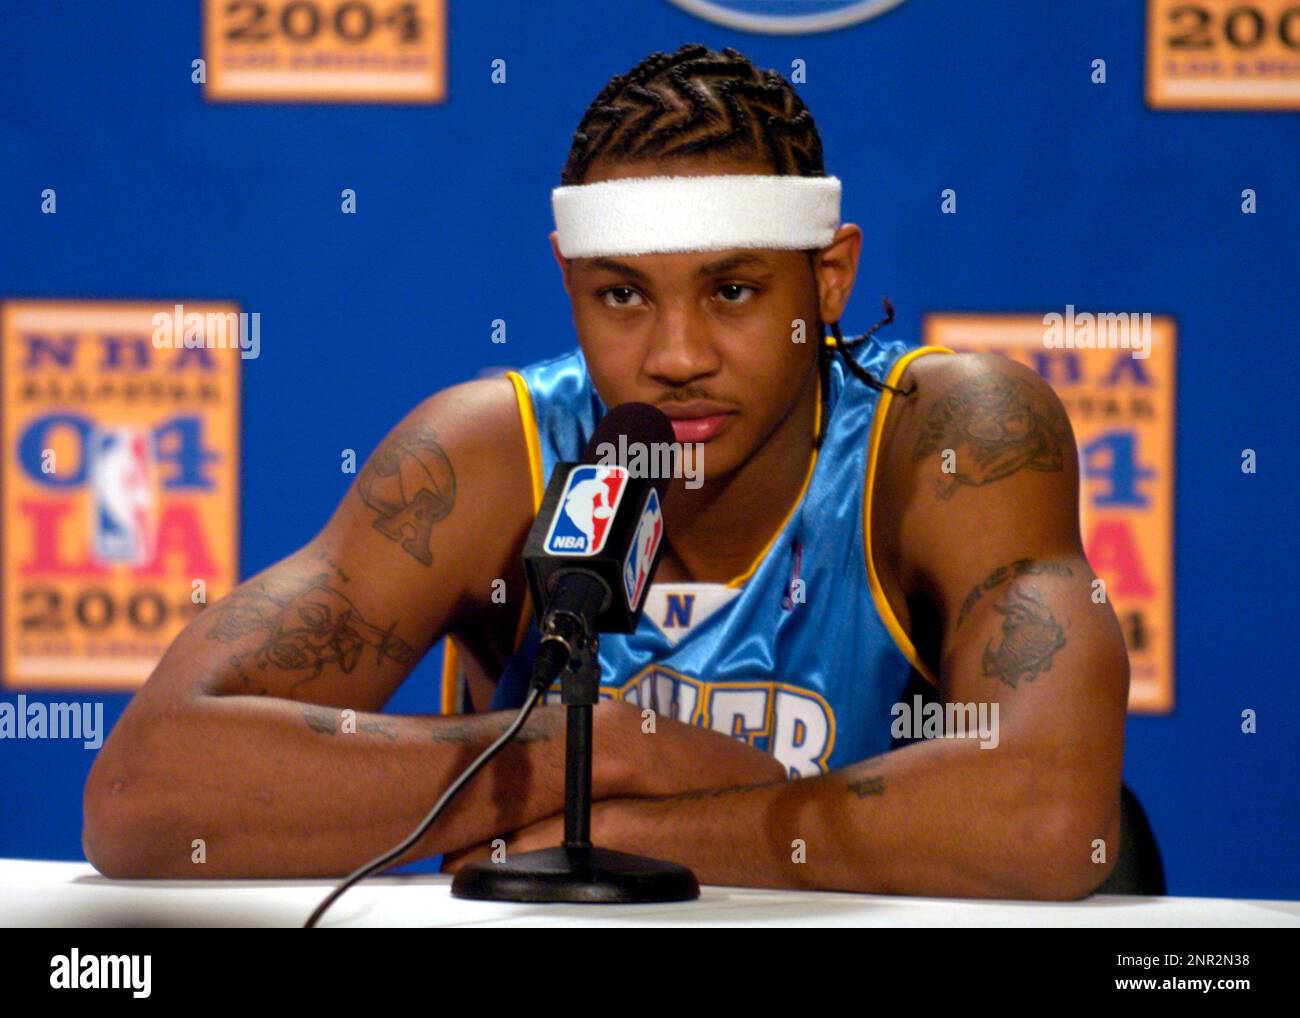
(795, 725)
(678, 611)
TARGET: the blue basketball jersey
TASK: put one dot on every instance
(801, 655)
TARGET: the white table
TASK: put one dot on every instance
(69, 894)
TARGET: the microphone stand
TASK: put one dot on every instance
(577, 871)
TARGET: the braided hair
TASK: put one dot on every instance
(702, 102)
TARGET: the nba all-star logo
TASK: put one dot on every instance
(119, 465)
(786, 17)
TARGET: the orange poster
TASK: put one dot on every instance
(120, 506)
(1223, 54)
(1114, 372)
(386, 51)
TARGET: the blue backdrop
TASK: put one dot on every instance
(1070, 192)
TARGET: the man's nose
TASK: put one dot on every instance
(681, 348)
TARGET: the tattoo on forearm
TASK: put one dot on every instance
(708, 793)
(1020, 567)
(997, 425)
(485, 731)
(306, 627)
(384, 728)
(319, 719)
(410, 483)
(457, 735)
(872, 785)
(1030, 637)
(325, 721)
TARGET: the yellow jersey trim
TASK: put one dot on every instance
(812, 463)
(883, 606)
(451, 683)
(450, 677)
(528, 420)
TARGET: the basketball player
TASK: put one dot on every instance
(874, 519)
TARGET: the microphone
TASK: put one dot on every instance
(589, 558)
(597, 538)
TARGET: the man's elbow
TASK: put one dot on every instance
(108, 849)
(120, 831)
(1074, 850)
(106, 837)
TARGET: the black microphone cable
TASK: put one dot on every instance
(384, 861)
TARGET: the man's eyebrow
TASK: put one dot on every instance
(709, 269)
(731, 262)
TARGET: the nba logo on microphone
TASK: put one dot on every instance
(587, 508)
(122, 494)
(649, 532)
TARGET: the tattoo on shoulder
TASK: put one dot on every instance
(410, 483)
(995, 425)
(1020, 567)
(873, 784)
(1031, 636)
(301, 628)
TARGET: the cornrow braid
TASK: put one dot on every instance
(693, 102)
(697, 102)
(844, 348)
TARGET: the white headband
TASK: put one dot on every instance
(658, 215)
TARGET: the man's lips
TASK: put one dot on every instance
(700, 429)
(698, 420)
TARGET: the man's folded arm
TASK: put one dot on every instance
(984, 474)
(1024, 802)
(256, 747)
(1019, 807)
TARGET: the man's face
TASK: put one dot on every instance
(708, 337)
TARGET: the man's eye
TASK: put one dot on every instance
(623, 297)
(731, 296)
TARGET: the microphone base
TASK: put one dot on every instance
(577, 875)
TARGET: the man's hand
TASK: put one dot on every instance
(544, 834)
(637, 761)
(639, 753)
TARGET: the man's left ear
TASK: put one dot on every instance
(837, 270)
(560, 260)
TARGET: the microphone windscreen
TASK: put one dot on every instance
(624, 427)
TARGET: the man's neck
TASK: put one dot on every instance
(716, 531)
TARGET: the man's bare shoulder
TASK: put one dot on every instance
(459, 453)
(476, 417)
(976, 401)
(956, 455)
(443, 503)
